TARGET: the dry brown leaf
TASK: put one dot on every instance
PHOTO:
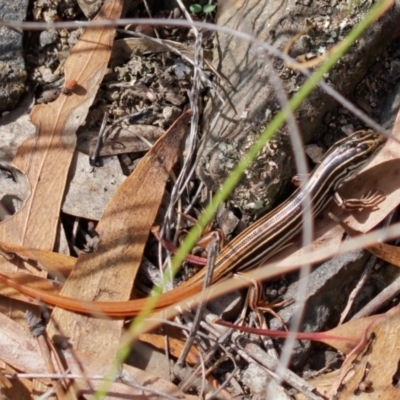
(57, 264)
(33, 281)
(175, 345)
(20, 350)
(384, 251)
(45, 158)
(108, 273)
(377, 361)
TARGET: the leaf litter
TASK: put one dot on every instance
(26, 161)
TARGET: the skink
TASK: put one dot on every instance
(258, 242)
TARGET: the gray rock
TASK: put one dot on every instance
(227, 307)
(12, 65)
(327, 294)
(261, 384)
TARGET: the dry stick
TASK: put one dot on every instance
(38, 331)
(260, 357)
(125, 378)
(56, 376)
(225, 384)
(74, 356)
(386, 294)
(380, 300)
(190, 381)
(149, 12)
(220, 360)
(367, 271)
(103, 132)
(194, 198)
(203, 381)
(178, 221)
(188, 17)
(129, 381)
(186, 328)
(167, 262)
(214, 331)
(96, 151)
(191, 142)
(214, 247)
(365, 275)
(58, 360)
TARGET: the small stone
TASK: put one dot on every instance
(125, 159)
(170, 114)
(145, 29)
(49, 95)
(348, 129)
(47, 37)
(47, 74)
(227, 220)
(175, 98)
(228, 306)
(256, 378)
(64, 33)
(315, 152)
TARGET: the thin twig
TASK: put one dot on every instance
(214, 247)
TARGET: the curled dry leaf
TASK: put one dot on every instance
(375, 361)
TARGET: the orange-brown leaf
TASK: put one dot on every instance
(108, 273)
